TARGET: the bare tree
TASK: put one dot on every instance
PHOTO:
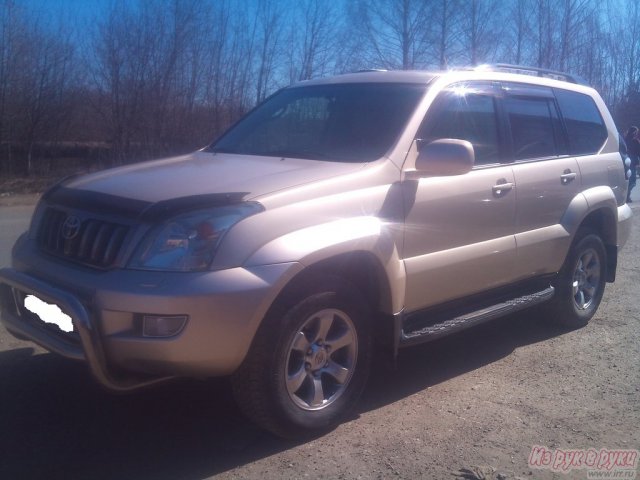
(270, 15)
(168, 75)
(45, 88)
(544, 33)
(628, 36)
(36, 75)
(313, 39)
(575, 14)
(621, 74)
(215, 86)
(481, 30)
(396, 30)
(8, 54)
(592, 48)
(521, 13)
(147, 67)
(447, 14)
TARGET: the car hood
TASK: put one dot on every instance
(204, 173)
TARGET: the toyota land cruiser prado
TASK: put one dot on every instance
(340, 217)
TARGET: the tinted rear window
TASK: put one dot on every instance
(585, 127)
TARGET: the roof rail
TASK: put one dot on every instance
(367, 70)
(533, 71)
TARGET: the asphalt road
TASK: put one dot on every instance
(477, 400)
(13, 221)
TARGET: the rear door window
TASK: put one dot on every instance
(531, 120)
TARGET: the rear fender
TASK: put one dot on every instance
(597, 210)
(598, 199)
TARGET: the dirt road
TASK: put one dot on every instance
(477, 401)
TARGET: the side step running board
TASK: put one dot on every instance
(470, 319)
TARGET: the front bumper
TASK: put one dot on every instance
(224, 310)
(90, 348)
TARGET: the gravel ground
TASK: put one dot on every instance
(15, 199)
(468, 406)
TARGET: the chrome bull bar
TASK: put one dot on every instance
(90, 348)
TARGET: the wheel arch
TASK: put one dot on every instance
(365, 272)
(603, 222)
(595, 210)
(362, 269)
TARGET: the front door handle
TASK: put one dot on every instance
(567, 177)
(502, 187)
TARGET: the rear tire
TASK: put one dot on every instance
(581, 282)
(309, 361)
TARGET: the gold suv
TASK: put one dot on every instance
(340, 218)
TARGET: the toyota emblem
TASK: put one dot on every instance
(71, 227)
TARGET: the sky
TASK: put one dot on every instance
(67, 10)
(83, 11)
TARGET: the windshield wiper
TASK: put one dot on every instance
(308, 154)
(219, 150)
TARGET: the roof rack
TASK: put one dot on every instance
(533, 71)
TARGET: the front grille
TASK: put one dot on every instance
(89, 241)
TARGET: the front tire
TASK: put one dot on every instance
(309, 361)
(581, 282)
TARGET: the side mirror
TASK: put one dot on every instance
(444, 157)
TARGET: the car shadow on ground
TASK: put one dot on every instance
(56, 423)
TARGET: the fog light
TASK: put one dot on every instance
(159, 326)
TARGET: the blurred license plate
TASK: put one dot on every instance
(48, 313)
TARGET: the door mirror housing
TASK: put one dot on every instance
(444, 157)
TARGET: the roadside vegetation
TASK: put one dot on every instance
(145, 79)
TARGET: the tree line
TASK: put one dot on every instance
(156, 77)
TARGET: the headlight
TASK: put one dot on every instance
(189, 241)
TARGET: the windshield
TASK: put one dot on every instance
(345, 122)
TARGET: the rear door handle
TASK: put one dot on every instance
(567, 177)
(502, 187)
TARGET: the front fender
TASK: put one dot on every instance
(314, 244)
